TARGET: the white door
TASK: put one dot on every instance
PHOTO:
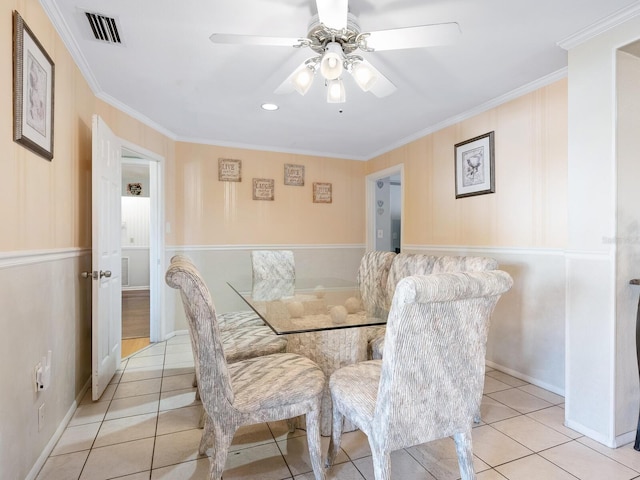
(106, 301)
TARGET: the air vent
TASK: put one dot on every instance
(125, 271)
(105, 29)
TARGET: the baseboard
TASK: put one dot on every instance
(526, 378)
(136, 289)
(33, 473)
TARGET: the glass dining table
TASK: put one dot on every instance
(324, 319)
(308, 304)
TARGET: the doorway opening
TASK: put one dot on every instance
(385, 196)
(141, 247)
(135, 240)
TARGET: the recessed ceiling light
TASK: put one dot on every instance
(269, 106)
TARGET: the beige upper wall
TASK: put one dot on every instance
(46, 205)
(43, 205)
(210, 212)
(528, 208)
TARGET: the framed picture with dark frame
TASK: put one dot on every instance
(474, 165)
(33, 89)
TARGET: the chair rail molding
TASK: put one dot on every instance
(190, 248)
(30, 257)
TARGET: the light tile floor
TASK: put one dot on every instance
(145, 427)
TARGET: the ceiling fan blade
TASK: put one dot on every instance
(382, 87)
(286, 86)
(233, 39)
(333, 13)
(413, 37)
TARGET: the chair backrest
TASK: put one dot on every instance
(372, 280)
(407, 264)
(214, 383)
(268, 264)
(434, 356)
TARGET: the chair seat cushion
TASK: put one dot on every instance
(238, 319)
(274, 381)
(355, 387)
(250, 341)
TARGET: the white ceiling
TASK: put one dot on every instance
(168, 74)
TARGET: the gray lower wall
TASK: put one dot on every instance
(219, 265)
(527, 334)
(138, 267)
(44, 305)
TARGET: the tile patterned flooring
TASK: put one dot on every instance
(145, 427)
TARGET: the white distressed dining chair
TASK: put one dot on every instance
(240, 340)
(272, 264)
(268, 388)
(429, 383)
(372, 285)
(229, 319)
(407, 264)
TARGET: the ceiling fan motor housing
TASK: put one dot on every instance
(320, 36)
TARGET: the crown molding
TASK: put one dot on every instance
(61, 26)
(600, 27)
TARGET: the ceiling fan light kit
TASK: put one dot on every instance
(334, 35)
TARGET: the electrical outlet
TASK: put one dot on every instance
(41, 417)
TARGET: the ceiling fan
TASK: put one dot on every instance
(334, 36)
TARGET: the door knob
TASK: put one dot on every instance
(106, 273)
(88, 275)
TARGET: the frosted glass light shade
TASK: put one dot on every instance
(335, 91)
(364, 75)
(302, 79)
(331, 65)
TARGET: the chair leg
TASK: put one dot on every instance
(336, 436)
(203, 417)
(207, 435)
(221, 442)
(477, 417)
(292, 424)
(381, 464)
(465, 455)
(313, 439)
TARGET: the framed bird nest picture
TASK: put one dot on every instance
(474, 164)
(33, 86)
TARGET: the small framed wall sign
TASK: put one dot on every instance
(474, 164)
(229, 170)
(321, 192)
(134, 189)
(263, 188)
(294, 175)
(33, 75)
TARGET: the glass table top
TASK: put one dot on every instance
(308, 304)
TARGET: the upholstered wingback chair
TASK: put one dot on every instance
(270, 264)
(406, 264)
(429, 383)
(229, 320)
(372, 284)
(268, 388)
(372, 280)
